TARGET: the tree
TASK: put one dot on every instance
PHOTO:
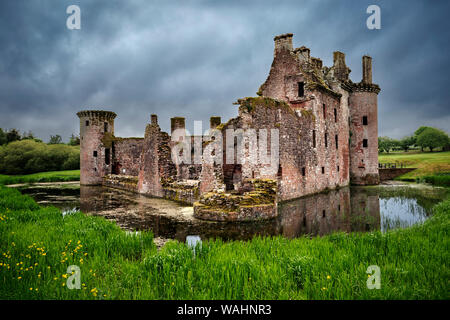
(28, 135)
(419, 131)
(13, 135)
(432, 138)
(74, 140)
(3, 139)
(406, 142)
(56, 139)
(386, 144)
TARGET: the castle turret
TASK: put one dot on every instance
(364, 128)
(96, 135)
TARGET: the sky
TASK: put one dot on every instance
(195, 58)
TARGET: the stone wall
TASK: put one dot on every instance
(127, 155)
(128, 183)
(258, 202)
(391, 173)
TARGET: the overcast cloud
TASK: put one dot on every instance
(195, 58)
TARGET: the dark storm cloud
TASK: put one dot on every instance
(194, 58)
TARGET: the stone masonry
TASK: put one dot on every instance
(326, 125)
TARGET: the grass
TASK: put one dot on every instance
(427, 163)
(38, 244)
(52, 176)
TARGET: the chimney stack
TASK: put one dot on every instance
(283, 42)
(214, 122)
(154, 119)
(367, 69)
(341, 71)
(177, 123)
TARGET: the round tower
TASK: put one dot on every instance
(364, 128)
(96, 144)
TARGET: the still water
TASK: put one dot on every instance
(355, 209)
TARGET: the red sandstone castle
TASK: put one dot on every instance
(328, 138)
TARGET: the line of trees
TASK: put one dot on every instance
(11, 135)
(24, 153)
(424, 138)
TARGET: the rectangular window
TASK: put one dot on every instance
(335, 115)
(95, 154)
(324, 111)
(323, 170)
(314, 138)
(326, 140)
(365, 143)
(87, 123)
(107, 156)
(301, 89)
(338, 168)
(364, 120)
(336, 141)
(303, 171)
(106, 126)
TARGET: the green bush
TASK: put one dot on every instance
(442, 180)
(29, 156)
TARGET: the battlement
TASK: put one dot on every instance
(100, 114)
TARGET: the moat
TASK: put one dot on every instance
(355, 209)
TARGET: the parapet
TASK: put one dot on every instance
(99, 114)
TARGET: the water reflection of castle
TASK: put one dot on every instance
(329, 212)
(316, 215)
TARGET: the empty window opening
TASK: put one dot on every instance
(335, 115)
(107, 156)
(105, 125)
(338, 168)
(336, 141)
(303, 171)
(323, 213)
(95, 169)
(87, 123)
(95, 154)
(324, 111)
(326, 140)
(301, 89)
(314, 138)
(365, 120)
(323, 170)
(365, 143)
(339, 207)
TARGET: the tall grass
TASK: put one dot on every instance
(414, 262)
(52, 176)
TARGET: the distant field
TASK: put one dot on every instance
(427, 163)
(52, 176)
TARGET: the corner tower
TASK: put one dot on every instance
(363, 102)
(96, 135)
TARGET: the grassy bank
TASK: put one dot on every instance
(38, 244)
(427, 163)
(52, 176)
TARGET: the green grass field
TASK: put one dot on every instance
(53, 176)
(38, 245)
(427, 163)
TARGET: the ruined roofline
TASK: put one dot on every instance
(97, 114)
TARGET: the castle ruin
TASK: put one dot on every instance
(327, 130)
